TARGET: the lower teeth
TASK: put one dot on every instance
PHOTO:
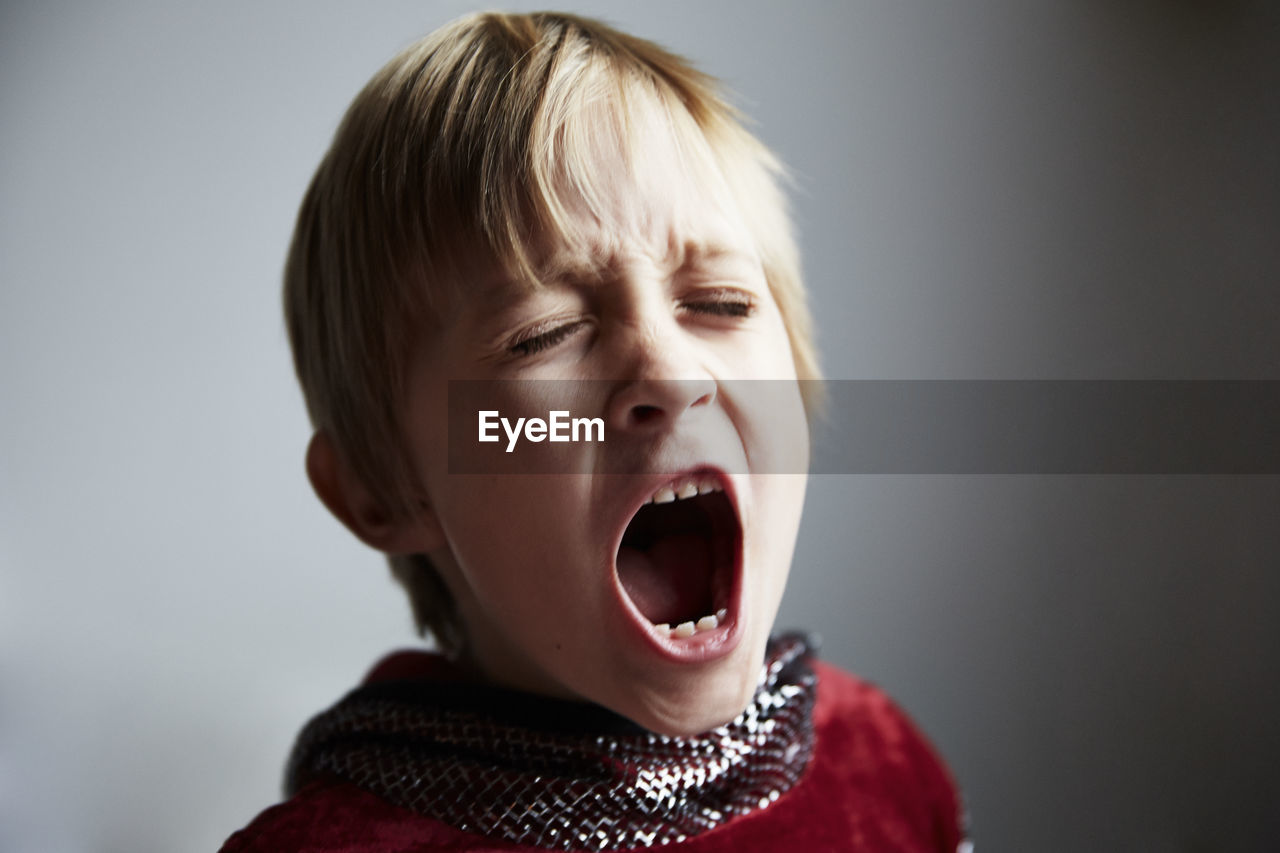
(688, 629)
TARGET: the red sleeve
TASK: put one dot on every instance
(330, 816)
(870, 748)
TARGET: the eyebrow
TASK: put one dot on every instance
(720, 254)
(491, 310)
(570, 266)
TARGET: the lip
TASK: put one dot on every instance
(704, 645)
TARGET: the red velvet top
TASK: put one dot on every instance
(873, 784)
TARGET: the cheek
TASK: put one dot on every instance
(486, 519)
(782, 510)
(778, 352)
(770, 419)
(764, 352)
(513, 536)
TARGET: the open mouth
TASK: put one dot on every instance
(676, 560)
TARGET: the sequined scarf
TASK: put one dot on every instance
(561, 775)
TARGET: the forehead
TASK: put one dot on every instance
(643, 185)
(625, 180)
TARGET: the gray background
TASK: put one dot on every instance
(985, 189)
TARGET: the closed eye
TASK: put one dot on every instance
(728, 303)
(540, 338)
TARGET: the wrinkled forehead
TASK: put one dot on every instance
(630, 168)
(613, 169)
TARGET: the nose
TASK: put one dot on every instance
(667, 383)
(657, 404)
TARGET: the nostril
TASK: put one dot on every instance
(654, 404)
(644, 414)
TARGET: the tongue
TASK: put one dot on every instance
(668, 582)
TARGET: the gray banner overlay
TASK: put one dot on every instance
(1049, 427)
(893, 427)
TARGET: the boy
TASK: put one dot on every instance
(523, 198)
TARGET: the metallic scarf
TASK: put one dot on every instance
(562, 775)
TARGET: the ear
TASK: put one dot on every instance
(361, 511)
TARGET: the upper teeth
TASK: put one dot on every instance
(689, 487)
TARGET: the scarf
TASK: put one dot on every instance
(562, 775)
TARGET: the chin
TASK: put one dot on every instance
(698, 699)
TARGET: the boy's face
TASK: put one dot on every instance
(563, 580)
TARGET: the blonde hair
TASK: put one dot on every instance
(459, 148)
